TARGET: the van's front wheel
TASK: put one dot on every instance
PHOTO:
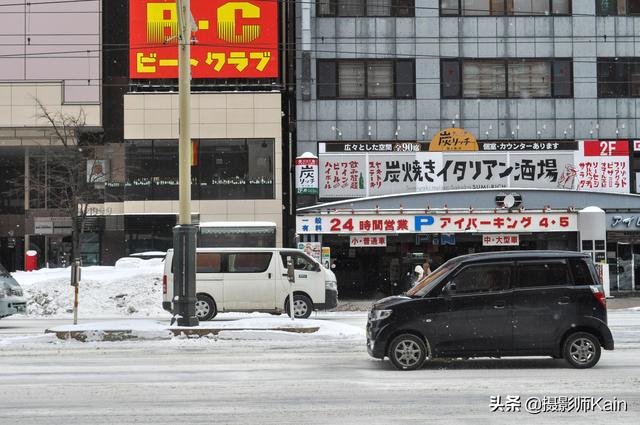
(205, 307)
(302, 306)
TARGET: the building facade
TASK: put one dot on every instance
(449, 107)
(115, 64)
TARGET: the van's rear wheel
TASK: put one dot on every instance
(582, 350)
(407, 352)
(205, 307)
(302, 306)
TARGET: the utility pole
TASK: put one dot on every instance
(184, 234)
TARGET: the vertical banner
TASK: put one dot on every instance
(603, 166)
(234, 39)
(326, 257)
(307, 174)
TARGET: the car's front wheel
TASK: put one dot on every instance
(582, 350)
(302, 306)
(407, 352)
(205, 307)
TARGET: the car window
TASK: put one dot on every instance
(208, 262)
(483, 278)
(581, 273)
(248, 262)
(300, 262)
(3, 271)
(542, 274)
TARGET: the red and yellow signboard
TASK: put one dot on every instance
(235, 39)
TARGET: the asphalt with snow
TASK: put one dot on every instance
(298, 380)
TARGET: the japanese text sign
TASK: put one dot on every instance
(597, 165)
(367, 241)
(235, 39)
(500, 240)
(307, 175)
(436, 223)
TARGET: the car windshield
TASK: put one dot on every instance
(427, 283)
(4, 272)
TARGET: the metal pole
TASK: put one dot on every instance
(184, 234)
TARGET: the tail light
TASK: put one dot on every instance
(598, 293)
(164, 284)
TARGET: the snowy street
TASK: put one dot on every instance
(288, 379)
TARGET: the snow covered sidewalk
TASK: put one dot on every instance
(251, 328)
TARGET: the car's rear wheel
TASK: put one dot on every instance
(582, 350)
(205, 307)
(407, 352)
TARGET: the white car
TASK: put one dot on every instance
(12, 300)
(255, 279)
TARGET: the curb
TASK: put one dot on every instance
(129, 335)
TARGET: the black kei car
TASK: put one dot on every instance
(515, 303)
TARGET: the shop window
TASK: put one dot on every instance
(11, 184)
(517, 78)
(617, 7)
(366, 79)
(223, 169)
(502, 7)
(355, 8)
(542, 274)
(619, 77)
(248, 262)
(494, 277)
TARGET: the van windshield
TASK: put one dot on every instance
(427, 283)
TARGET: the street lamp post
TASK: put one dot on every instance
(184, 234)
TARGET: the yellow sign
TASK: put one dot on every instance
(453, 139)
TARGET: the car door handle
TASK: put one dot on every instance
(499, 305)
(564, 300)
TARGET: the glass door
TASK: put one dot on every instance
(624, 275)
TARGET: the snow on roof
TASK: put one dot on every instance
(238, 224)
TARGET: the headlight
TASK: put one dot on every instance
(331, 285)
(376, 315)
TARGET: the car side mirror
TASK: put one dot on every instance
(316, 267)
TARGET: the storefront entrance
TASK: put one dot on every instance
(371, 273)
(623, 256)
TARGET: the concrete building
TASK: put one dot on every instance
(423, 103)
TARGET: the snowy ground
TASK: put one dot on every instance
(260, 377)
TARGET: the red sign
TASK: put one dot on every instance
(235, 39)
(606, 148)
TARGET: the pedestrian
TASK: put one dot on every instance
(426, 266)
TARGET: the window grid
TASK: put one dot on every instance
(455, 89)
(502, 8)
(331, 68)
(362, 8)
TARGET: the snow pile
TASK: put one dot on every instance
(124, 291)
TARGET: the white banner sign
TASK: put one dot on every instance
(307, 175)
(359, 241)
(636, 145)
(437, 223)
(501, 240)
(596, 165)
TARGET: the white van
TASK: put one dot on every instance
(255, 279)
